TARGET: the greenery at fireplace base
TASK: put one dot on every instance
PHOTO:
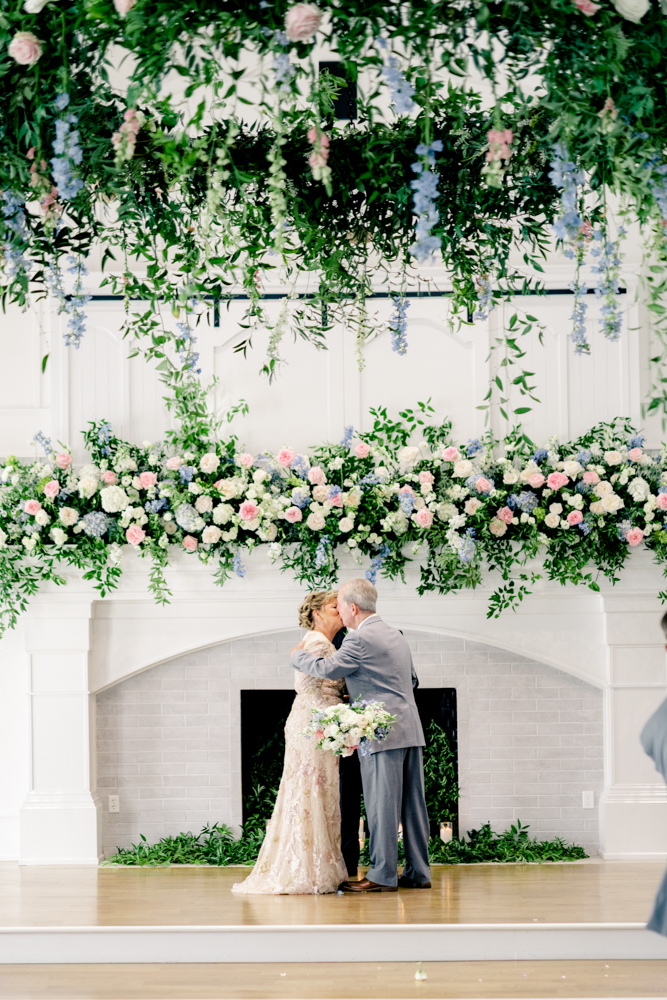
(215, 845)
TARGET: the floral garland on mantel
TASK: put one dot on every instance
(485, 505)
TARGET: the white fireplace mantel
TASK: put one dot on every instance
(77, 644)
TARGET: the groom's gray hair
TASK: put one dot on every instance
(360, 592)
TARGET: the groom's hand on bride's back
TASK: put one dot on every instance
(300, 646)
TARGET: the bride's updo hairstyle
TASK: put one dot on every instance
(314, 601)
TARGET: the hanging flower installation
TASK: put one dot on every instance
(205, 203)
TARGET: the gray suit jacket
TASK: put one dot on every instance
(377, 666)
(654, 741)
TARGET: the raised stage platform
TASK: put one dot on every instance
(579, 911)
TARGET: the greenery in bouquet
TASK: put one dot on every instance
(342, 729)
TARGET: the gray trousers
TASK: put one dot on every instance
(393, 782)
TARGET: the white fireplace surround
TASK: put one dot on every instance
(71, 645)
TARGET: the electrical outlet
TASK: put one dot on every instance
(588, 800)
(114, 803)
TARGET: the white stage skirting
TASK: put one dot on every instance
(330, 943)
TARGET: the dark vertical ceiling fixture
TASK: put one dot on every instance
(345, 104)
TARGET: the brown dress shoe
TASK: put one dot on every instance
(408, 883)
(365, 885)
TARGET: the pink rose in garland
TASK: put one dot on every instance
(293, 514)
(575, 517)
(635, 454)
(135, 535)
(586, 7)
(248, 510)
(302, 22)
(25, 48)
(634, 536)
(505, 515)
(451, 454)
(362, 450)
(591, 478)
(189, 543)
(661, 501)
(423, 518)
(316, 476)
(108, 477)
(483, 485)
(556, 479)
(32, 506)
(63, 460)
(286, 457)
(52, 488)
(536, 480)
(147, 479)
(246, 460)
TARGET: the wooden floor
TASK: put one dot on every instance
(606, 892)
(476, 981)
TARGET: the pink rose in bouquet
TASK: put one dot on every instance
(63, 460)
(135, 535)
(451, 454)
(293, 514)
(302, 21)
(362, 450)
(661, 501)
(591, 478)
(426, 477)
(175, 462)
(52, 488)
(586, 7)
(635, 454)
(32, 506)
(147, 479)
(536, 480)
(124, 6)
(483, 485)
(246, 460)
(189, 543)
(556, 479)
(108, 477)
(575, 517)
(285, 457)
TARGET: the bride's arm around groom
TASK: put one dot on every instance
(376, 662)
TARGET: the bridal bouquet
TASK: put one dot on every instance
(342, 729)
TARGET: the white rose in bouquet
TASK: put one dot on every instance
(611, 503)
(68, 516)
(462, 468)
(211, 535)
(632, 10)
(209, 462)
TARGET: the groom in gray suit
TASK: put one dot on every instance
(376, 662)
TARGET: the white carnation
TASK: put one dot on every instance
(114, 499)
(87, 486)
(68, 516)
(639, 489)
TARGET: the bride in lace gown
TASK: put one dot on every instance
(301, 850)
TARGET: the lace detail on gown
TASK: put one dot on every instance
(301, 850)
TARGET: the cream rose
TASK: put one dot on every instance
(204, 504)
(211, 535)
(613, 457)
(462, 468)
(346, 524)
(511, 477)
(632, 10)
(611, 503)
(597, 508)
(552, 520)
(68, 516)
(497, 527)
(603, 489)
(315, 521)
(572, 469)
(209, 462)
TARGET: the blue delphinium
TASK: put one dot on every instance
(238, 566)
(584, 456)
(376, 564)
(402, 92)
(321, 555)
(371, 479)
(348, 434)
(468, 548)
(398, 325)
(300, 466)
(607, 287)
(334, 491)
(425, 187)
(484, 298)
(474, 447)
(67, 147)
(187, 356)
(95, 524)
(636, 442)
(15, 222)
(566, 177)
(299, 498)
(104, 437)
(154, 506)
(75, 302)
(406, 500)
(584, 526)
(45, 443)
(539, 455)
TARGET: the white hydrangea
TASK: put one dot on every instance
(223, 513)
(114, 499)
(447, 510)
(87, 486)
(58, 536)
(639, 489)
